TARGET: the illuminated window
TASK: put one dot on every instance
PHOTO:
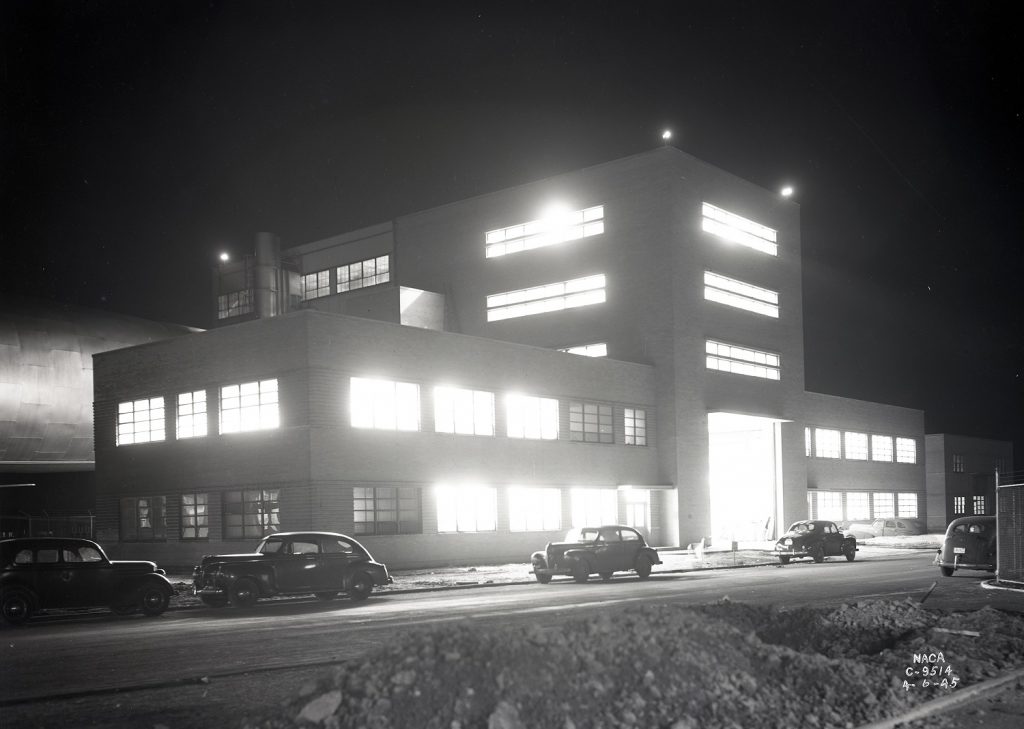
(251, 513)
(731, 227)
(534, 509)
(881, 448)
(387, 510)
(191, 420)
(906, 505)
(143, 519)
(959, 504)
(384, 404)
(594, 507)
(315, 285)
(830, 505)
(906, 450)
(959, 463)
(741, 361)
(807, 442)
(856, 446)
(359, 275)
(883, 506)
(826, 443)
(638, 508)
(598, 349)
(140, 421)
(235, 303)
(249, 406)
(195, 516)
(635, 425)
(741, 295)
(466, 412)
(558, 228)
(858, 505)
(466, 509)
(550, 297)
(979, 505)
(590, 422)
(532, 417)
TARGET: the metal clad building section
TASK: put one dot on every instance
(1010, 521)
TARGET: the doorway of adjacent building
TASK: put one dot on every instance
(745, 479)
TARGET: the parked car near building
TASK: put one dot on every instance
(595, 550)
(815, 539)
(40, 573)
(885, 528)
(970, 544)
(290, 563)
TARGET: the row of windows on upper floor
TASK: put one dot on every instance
(385, 405)
(997, 463)
(551, 230)
(388, 510)
(854, 446)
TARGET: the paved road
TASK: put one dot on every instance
(92, 667)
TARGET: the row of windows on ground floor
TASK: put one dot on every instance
(861, 505)
(384, 510)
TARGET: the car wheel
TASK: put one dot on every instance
(361, 587)
(325, 596)
(16, 605)
(216, 601)
(606, 576)
(153, 600)
(643, 567)
(818, 553)
(946, 571)
(243, 593)
(850, 552)
(581, 572)
(542, 579)
(784, 558)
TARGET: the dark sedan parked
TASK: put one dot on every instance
(37, 573)
(970, 544)
(601, 550)
(815, 539)
(290, 563)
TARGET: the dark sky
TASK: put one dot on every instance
(141, 138)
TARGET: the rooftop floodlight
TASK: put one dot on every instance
(787, 191)
(666, 135)
(225, 257)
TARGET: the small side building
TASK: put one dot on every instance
(961, 475)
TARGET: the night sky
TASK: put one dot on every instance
(140, 139)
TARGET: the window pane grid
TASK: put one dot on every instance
(881, 448)
(906, 450)
(235, 303)
(742, 361)
(371, 272)
(635, 426)
(466, 509)
(906, 505)
(194, 516)
(736, 229)
(387, 510)
(740, 295)
(251, 513)
(558, 296)
(541, 233)
(249, 406)
(384, 404)
(856, 446)
(463, 412)
(315, 285)
(826, 443)
(594, 507)
(590, 422)
(883, 506)
(191, 415)
(534, 509)
(140, 421)
(531, 417)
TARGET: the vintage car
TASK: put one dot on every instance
(290, 563)
(595, 550)
(885, 528)
(40, 573)
(814, 539)
(970, 544)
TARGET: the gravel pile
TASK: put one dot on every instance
(727, 665)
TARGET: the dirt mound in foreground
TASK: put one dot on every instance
(727, 665)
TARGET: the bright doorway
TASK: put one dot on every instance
(745, 479)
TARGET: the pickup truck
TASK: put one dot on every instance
(290, 563)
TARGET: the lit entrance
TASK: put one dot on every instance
(745, 479)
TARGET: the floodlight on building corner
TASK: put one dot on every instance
(666, 136)
(224, 257)
(787, 191)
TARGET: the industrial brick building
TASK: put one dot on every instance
(623, 343)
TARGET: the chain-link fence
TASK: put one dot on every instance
(1010, 528)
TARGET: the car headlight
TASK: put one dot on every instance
(788, 542)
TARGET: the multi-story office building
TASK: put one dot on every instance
(622, 343)
(961, 475)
